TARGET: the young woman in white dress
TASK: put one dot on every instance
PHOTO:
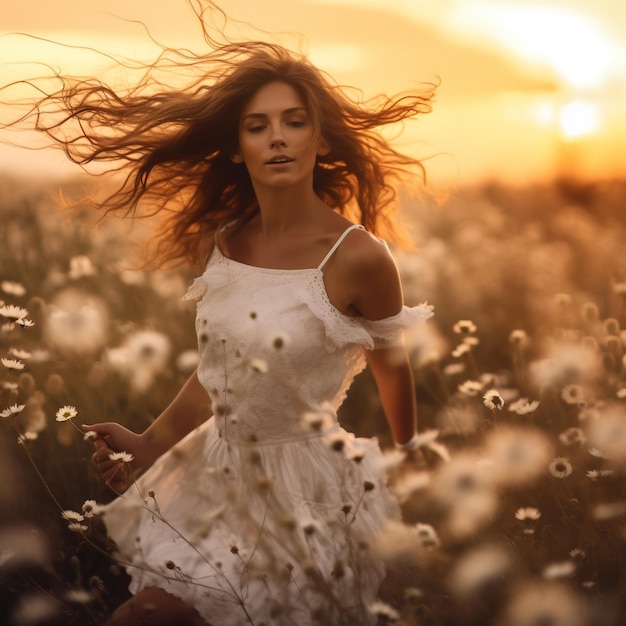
(254, 505)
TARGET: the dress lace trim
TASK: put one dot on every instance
(308, 285)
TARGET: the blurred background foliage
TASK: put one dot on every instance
(537, 265)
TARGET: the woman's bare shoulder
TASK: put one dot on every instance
(364, 252)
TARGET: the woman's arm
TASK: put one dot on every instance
(188, 409)
(394, 378)
(377, 294)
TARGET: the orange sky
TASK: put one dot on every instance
(527, 89)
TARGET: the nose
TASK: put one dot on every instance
(277, 138)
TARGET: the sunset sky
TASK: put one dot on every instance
(528, 89)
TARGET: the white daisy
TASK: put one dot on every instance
(560, 467)
(66, 413)
(91, 508)
(383, 611)
(124, 457)
(493, 400)
(527, 513)
(14, 409)
(13, 312)
(464, 327)
(12, 364)
(13, 288)
(72, 516)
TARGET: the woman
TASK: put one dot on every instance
(269, 176)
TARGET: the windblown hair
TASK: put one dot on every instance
(174, 145)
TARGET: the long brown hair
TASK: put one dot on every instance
(173, 146)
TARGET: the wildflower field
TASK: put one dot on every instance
(516, 517)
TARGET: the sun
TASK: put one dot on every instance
(579, 118)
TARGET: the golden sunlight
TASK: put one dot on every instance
(573, 45)
(578, 118)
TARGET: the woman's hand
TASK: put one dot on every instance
(111, 438)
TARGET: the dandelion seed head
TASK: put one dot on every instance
(143, 355)
(461, 417)
(607, 432)
(520, 454)
(398, 543)
(566, 363)
(477, 568)
(76, 322)
(461, 477)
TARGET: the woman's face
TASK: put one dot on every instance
(277, 139)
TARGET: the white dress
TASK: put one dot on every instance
(263, 514)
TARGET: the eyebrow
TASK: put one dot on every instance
(264, 115)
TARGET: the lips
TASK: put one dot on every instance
(279, 159)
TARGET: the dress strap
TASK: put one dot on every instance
(338, 243)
